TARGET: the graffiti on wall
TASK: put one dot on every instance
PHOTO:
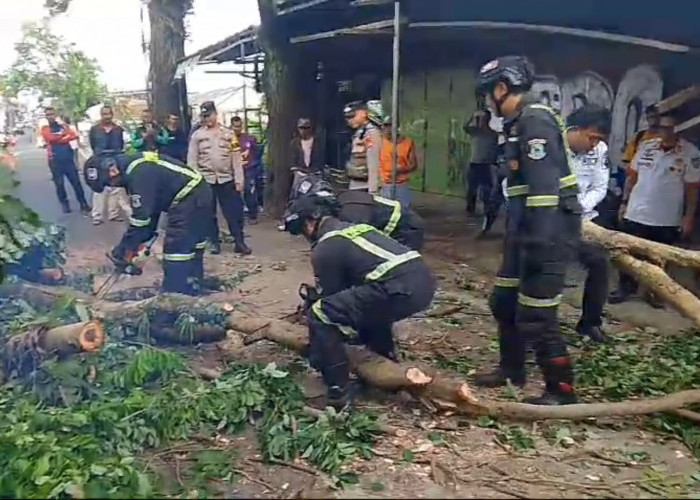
(638, 88)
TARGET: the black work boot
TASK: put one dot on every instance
(242, 249)
(215, 247)
(512, 365)
(337, 379)
(559, 379)
(619, 296)
(66, 207)
(595, 333)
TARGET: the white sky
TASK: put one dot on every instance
(110, 31)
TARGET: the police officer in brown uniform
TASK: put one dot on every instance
(212, 152)
(363, 165)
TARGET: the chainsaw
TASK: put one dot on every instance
(132, 265)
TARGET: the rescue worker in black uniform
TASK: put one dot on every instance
(158, 184)
(360, 207)
(542, 232)
(366, 282)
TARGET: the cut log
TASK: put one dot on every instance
(447, 391)
(22, 353)
(658, 253)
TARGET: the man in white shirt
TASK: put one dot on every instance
(661, 194)
(589, 126)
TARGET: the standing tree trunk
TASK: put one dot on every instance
(167, 20)
(283, 99)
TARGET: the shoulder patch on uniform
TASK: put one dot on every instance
(91, 173)
(695, 162)
(537, 149)
(136, 201)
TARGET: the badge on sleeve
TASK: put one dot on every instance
(536, 149)
(695, 162)
(135, 201)
(91, 174)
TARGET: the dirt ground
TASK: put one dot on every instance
(440, 455)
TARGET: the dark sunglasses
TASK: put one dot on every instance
(304, 127)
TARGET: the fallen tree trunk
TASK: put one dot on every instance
(658, 253)
(446, 391)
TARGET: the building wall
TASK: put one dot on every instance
(434, 103)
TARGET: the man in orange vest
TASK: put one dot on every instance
(405, 164)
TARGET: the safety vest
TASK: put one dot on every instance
(194, 176)
(357, 168)
(390, 261)
(395, 214)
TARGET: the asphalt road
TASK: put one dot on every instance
(37, 191)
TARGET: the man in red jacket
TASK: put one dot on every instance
(57, 136)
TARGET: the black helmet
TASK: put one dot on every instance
(515, 71)
(97, 172)
(302, 209)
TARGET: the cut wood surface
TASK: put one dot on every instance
(446, 391)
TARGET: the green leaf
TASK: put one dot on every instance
(97, 470)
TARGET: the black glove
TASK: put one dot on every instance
(117, 258)
(309, 294)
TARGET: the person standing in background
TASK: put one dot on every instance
(149, 136)
(176, 147)
(363, 165)
(57, 136)
(211, 152)
(306, 151)
(250, 156)
(478, 175)
(660, 198)
(406, 163)
(107, 139)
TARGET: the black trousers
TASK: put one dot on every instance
(479, 179)
(185, 240)
(368, 312)
(595, 289)
(231, 204)
(250, 194)
(525, 299)
(660, 234)
(66, 169)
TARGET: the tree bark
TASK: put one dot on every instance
(658, 253)
(645, 261)
(167, 21)
(282, 98)
(446, 391)
(21, 353)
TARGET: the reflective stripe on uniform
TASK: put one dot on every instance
(503, 282)
(178, 257)
(354, 234)
(152, 157)
(382, 269)
(517, 190)
(201, 245)
(139, 222)
(547, 200)
(395, 214)
(317, 310)
(523, 189)
(524, 300)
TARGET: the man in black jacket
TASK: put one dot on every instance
(157, 185)
(390, 217)
(176, 147)
(367, 281)
(543, 230)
